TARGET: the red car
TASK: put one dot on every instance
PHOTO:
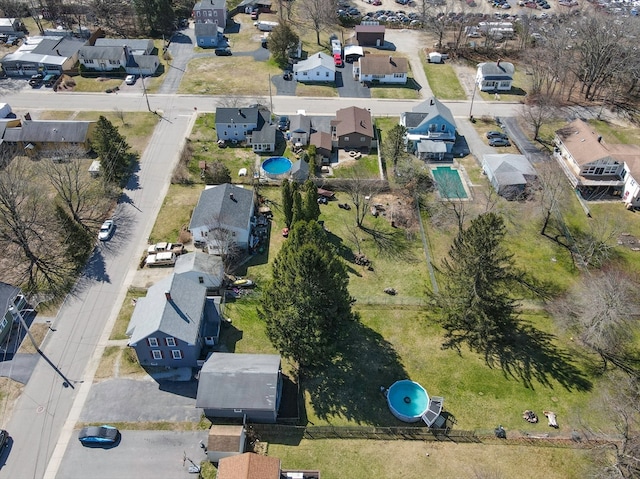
(337, 59)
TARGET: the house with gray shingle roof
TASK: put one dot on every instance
(495, 76)
(201, 268)
(252, 125)
(137, 46)
(381, 69)
(172, 324)
(116, 55)
(222, 218)
(319, 67)
(509, 174)
(300, 129)
(47, 135)
(42, 55)
(431, 130)
(210, 20)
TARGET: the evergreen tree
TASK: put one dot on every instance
(287, 202)
(281, 40)
(311, 207)
(78, 242)
(113, 150)
(298, 210)
(475, 304)
(307, 302)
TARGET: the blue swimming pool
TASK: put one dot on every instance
(449, 182)
(276, 166)
(407, 400)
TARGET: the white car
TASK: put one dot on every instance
(130, 80)
(106, 230)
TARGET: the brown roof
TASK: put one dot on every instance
(224, 438)
(369, 29)
(353, 120)
(383, 65)
(586, 146)
(321, 139)
(249, 466)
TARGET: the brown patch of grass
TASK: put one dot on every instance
(129, 365)
(314, 90)
(126, 310)
(201, 425)
(10, 390)
(107, 363)
(38, 332)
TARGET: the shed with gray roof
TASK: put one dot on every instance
(509, 174)
(241, 385)
(41, 135)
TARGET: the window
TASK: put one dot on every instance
(3, 323)
(88, 61)
(200, 279)
(326, 74)
(156, 353)
(171, 342)
(363, 139)
(443, 127)
(176, 354)
(346, 138)
(153, 342)
(398, 75)
(317, 73)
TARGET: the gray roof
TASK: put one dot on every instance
(64, 47)
(300, 124)
(266, 134)
(200, 262)
(101, 53)
(508, 169)
(145, 62)
(495, 71)
(238, 115)
(432, 147)
(49, 131)
(7, 293)
(180, 318)
(314, 61)
(430, 109)
(208, 29)
(215, 206)
(300, 170)
(209, 4)
(132, 43)
(239, 381)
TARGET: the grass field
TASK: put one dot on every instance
(443, 81)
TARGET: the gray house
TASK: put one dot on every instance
(263, 139)
(222, 218)
(300, 171)
(237, 124)
(509, 174)
(173, 323)
(12, 301)
(201, 268)
(300, 129)
(241, 385)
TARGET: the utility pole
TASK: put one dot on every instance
(144, 90)
(270, 96)
(473, 95)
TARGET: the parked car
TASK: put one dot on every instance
(223, 52)
(499, 142)
(97, 435)
(496, 134)
(106, 230)
(130, 79)
(283, 123)
(13, 40)
(287, 75)
(337, 60)
(50, 80)
(4, 438)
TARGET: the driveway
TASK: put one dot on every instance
(348, 87)
(410, 43)
(139, 454)
(181, 50)
(128, 400)
(518, 137)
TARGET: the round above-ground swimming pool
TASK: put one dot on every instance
(276, 166)
(407, 400)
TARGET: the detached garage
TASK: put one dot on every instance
(509, 174)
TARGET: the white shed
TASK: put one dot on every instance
(435, 57)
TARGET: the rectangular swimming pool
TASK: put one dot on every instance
(449, 183)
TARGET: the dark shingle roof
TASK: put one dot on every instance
(7, 293)
(494, 70)
(101, 53)
(132, 43)
(300, 124)
(65, 47)
(266, 134)
(216, 206)
(353, 120)
(238, 115)
(49, 131)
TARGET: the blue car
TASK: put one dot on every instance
(98, 435)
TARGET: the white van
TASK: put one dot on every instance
(166, 258)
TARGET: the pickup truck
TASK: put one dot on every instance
(176, 248)
(161, 259)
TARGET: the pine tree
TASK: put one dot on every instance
(297, 210)
(311, 207)
(113, 150)
(307, 302)
(287, 202)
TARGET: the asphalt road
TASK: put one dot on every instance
(140, 454)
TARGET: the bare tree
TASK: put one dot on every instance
(602, 311)
(222, 242)
(361, 191)
(319, 13)
(540, 111)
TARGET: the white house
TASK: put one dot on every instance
(381, 69)
(317, 68)
(236, 124)
(300, 129)
(222, 218)
(496, 76)
(111, 58)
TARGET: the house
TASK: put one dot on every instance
(244, 386)
(111, 57)
(13, 302)
(300, 129)
(495, 76)
(509, 174)
(319, 67)
(370, 35)
(431, 130)
(237, 124)
(381, 69)
(172, 324)
(597, 168)
(254, 466)
(202, 268)
(222, 218)
(46, 55)
(300, 171)
(210, 20)
(136, 46)
(323, 143)
(225, 441)
(35, 136)
(353, 129)
(11, 26)
(263, 139)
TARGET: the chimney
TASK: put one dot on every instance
(498, 64)
(431, 102)
(390, 59)
(600, 139)
(167, 295)
(231, 197)
(58, 52)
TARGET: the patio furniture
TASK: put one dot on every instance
(551, 417)
(433, 411)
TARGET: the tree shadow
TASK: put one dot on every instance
(96, 269)
(343, 251)
(229, 337)
(529, 354)
(392, 244)
(188, 389)
(348, 386)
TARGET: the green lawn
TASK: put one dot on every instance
(443, 81)
(366, 166)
